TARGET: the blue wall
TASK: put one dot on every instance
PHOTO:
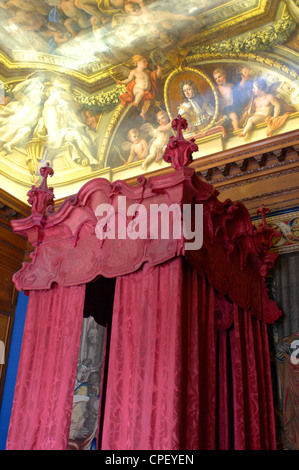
(12, 367)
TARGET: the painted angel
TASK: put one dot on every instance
(160, 138)
(266, 107)
(141, 85)
(138, 146)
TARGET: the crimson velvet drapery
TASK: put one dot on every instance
(43, 398)
(187, 369)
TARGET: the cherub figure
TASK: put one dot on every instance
(104, 9)
(58, 34)
(141, 84)
(28, 21)
(161, 138)
(75, 17)
(264, 105)
(139, 146)
(90, 7)
(166, 19)
(226, 97)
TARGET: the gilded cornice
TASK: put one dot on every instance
(253, 42)
(259, 41)
(271, 62)
(110, 129)
(26, 66)
(236, 24)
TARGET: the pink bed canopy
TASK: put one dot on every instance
(188, 357)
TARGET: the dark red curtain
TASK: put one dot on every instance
(43, 398)
(187, 368)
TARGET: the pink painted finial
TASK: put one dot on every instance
(265, 233)
(263, 210)
(178, 124)
(45, 171)
(179, 151)
(42, 198)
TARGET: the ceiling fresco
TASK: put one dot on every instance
(91, 86)
(90, 35)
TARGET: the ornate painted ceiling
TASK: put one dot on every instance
(96, 35)
(93, 37)
(92, 85)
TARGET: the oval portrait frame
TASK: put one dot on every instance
(173, 97)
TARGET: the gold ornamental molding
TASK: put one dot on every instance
(39, 64)
(258, 12)
(263, 60)
(110, 130)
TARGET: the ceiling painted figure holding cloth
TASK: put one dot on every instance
(141, 85)
(20, 116)
(60, 124)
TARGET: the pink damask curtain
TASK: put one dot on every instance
(245, 412)
(44, 390)
(187, 368)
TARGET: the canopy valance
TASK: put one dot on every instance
(234, 254)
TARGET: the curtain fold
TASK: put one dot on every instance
(254, 426)
(145, 374)
(187, 369)
(44, 390)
